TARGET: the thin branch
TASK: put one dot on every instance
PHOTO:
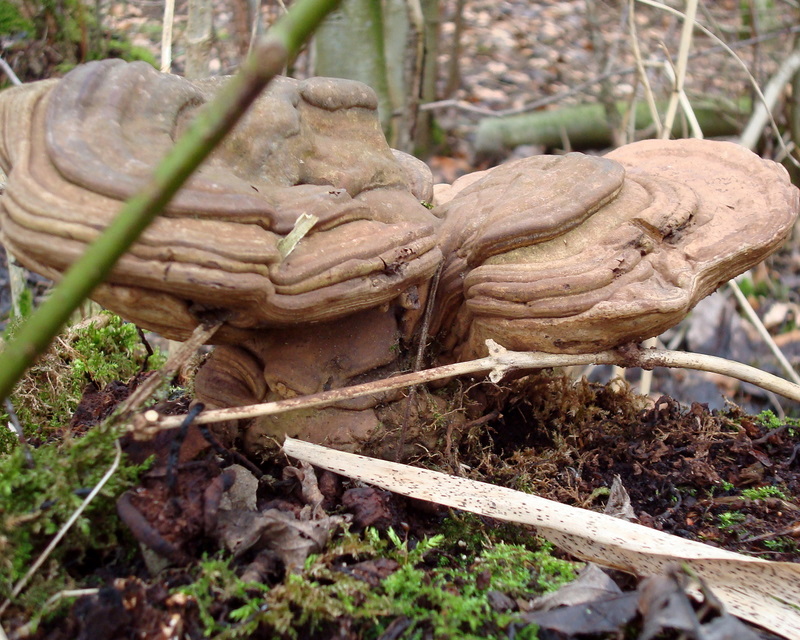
(775, 87)
(177, 359)
(686, 106)
(745, 305)
(498, 363)
(637, 54)
(454, 63)
(646, 381)
(680, 67)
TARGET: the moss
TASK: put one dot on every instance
(37, 498)
(762, 493)
(434, 591)
(98, 351)
(41, 486)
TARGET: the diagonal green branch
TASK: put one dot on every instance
(267, 60)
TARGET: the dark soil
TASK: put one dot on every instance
(683, 468)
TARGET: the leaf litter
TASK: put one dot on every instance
(674, 469)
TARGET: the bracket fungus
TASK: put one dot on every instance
(74, 149)
(561, 254)
(578, 254)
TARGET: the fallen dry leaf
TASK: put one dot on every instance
(665, 605)
(602, 616)
(292, 539)
(590, 604)
(619, 502)
(591, 585)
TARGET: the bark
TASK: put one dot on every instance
(586, 126)
(350, 44)
(198, 38)
(391, 46)
(430, 66)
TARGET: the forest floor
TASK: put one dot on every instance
(698, 458)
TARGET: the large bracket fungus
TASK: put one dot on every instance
(577, 254)
(74, 149)
(562, 254)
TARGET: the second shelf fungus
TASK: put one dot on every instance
(579, 254)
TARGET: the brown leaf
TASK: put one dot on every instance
(292, 539)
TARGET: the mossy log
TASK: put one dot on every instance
(586, 126)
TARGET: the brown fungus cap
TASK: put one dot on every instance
(584, 254)
(75, 149)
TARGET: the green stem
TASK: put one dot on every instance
(283, 40)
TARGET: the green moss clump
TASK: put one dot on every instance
(41, 486)
(11, 19)
(37, 499)
(439, 593)
(97, 351)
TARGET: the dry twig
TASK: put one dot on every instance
(498, 363)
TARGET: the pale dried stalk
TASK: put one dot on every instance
(637, 54)
(498, 363)
(678, 96)
(741, 63)
(166, 36)
(177, 359)
(751, 314)
(646, 381)
(686, 107)
(764, 592)
(6, 68)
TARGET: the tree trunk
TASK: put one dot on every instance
(391, 46)
(350, 44)
(198, 38)
(586, 126)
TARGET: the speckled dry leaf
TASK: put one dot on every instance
(766, 593)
